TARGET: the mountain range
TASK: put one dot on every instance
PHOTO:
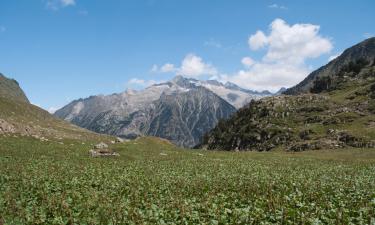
(333, 107)
(181, 110)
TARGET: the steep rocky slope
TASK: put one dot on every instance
(334, 107)
(352, 59)
(10, 89)
(185, 118)
(180, 110)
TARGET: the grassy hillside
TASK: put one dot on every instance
(338, 111)
(10, 89)
(19, 118)
(152, 182)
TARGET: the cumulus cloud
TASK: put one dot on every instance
(258, 40)
(296, 43)
(57, 4)
(265, 76)
(194, 66)
(284, 63)
(168, 67)
(191, 66)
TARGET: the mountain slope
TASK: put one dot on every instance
(10, 89)
(339, 112)
(351, 59)
(180, 110)
(185, 118)
(18, 117)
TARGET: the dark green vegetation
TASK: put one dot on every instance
(10, 89)
(337, 111)
(152, 182)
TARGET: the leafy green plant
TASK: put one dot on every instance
(52, 183)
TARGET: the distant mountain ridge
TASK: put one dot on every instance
(180, 110)
(230, 92)
(9, 88)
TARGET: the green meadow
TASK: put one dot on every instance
(153, 182)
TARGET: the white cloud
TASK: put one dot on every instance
(266, 76)
(194, 66)
(247, 61)
(287, 49)
(296, 43)
(332, 57)
(168, 67)
(276, 6)
(191, 66)
(57, 4)
(2, 29)
(258, 40)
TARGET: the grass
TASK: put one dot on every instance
(27, 116)
(153, 182)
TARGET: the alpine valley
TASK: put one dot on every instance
(181, 110)
(55, 172)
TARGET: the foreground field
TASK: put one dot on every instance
(152, 182)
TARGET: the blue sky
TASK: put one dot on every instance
(61, 50)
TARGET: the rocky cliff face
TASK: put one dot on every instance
(186, 117)
(333, 107)
(10, 89)
(180, 110)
